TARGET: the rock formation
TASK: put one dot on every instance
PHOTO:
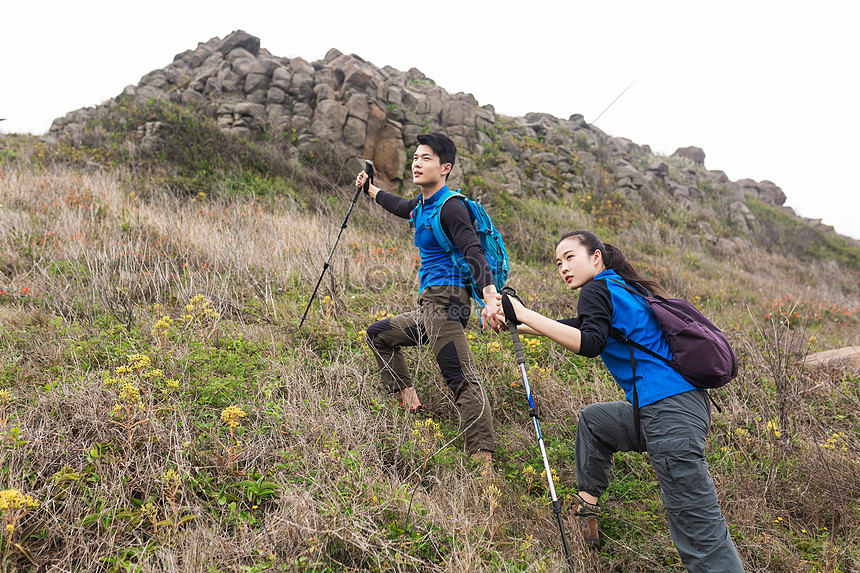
(377, 113)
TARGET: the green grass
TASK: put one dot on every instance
(323, 473)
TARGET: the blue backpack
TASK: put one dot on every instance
(488, 235)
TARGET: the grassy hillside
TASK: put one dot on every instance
(163, 412)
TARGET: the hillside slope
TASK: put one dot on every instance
(163, 411)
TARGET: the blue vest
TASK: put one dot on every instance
(631, 315)
(437, 268)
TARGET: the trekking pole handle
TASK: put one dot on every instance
(512, 322)
(368, 168)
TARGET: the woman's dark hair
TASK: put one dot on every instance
(613, 259)
(442, 146)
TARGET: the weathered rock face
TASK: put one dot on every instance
(378, 113)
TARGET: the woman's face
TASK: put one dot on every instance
(575, 265)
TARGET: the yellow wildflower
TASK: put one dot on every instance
(232, 415)
(12, 499)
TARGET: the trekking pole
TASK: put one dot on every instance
(512, 322)
(368, 168)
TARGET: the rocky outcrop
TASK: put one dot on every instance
(377, 113)
(767, 191)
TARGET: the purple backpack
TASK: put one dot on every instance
(700, 351)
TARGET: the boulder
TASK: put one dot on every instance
(332, 55)
(326, 76)
(658, 168)
(213, 86)
(389, 153)
(256, 96)
(485, 118)
(740, 215)
(302, 80)
(706, 231)
(354, 73)
(144, 93)
(357, 107)
(152, 134)
(301, 66)
(156, 80)
(329, 119)
(718, 176)
(276, 95)
(508, 145)
(767, 191)
(281, 79)
(437, 99)
(416, 101)
(243, 66)
(394, 95)
(355, 131)
(410, 135)
(725, 247)
(260, 75)
(694, 154)
(191, 97)
(323, 92)
(770, 193)
(628, 176)
(238, 54)
(848, 358)
(303, 110)
(192, 58)
(577, 120)
(458, 113)
(240, 39)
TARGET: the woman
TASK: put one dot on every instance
(675, 416)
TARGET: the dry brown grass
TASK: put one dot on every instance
(353, 490)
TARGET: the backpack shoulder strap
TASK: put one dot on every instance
(633, 290)
(436, 220)
(620, 337)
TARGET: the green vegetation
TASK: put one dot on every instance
(160, 408)
(780, 232)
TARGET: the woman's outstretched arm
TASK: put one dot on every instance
(535, 323)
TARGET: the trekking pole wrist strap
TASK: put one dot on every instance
(508, 307)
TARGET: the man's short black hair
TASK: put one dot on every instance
(441, 145)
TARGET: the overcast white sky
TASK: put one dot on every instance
(768, 89)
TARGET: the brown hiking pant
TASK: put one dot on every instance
(438, 323)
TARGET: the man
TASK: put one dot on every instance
(443, 301)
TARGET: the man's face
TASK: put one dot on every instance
(427, 168)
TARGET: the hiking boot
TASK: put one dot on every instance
(484, 460)
(586, 518)
(421, 412)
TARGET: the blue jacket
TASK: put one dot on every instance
(603, 303)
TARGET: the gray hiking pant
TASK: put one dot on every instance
(673, 434)
(438, 323)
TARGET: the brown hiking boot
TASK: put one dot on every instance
(586, 518)
(483, 459)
